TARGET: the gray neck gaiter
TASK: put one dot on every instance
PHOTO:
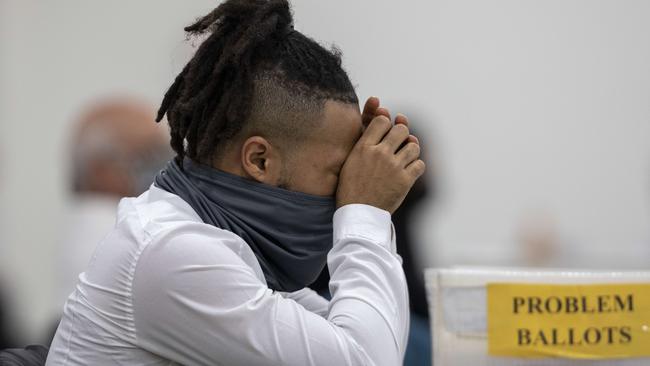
(289, 232)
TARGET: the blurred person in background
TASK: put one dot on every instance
(538, 239)
(116, 150)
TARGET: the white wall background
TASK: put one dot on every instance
(531, 105)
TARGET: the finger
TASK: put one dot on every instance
(409, 153)
(412, 139)
(416, 169)
(401, 119)
(383, 111)
(369, 110)
(395, 137)
(376, 131)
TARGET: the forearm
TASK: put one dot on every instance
(369, 294)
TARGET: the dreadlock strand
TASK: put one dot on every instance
(210, 101)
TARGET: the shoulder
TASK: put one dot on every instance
(174, 233)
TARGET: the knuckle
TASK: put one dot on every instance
(395, 163)
(420, 167)
(415, 169)
(381, 121)
(410, 152)
(415, 148)
(406, 180)
(400, 131)
(363, 148)
(376, 152)
(382, 149)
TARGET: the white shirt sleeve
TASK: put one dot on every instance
(197, 303)
(310, 300)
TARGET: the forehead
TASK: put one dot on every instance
(340, 127)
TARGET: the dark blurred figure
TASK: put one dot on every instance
(34, 355)
(418, 350)
(8, 336)
(116, 150)
(6, 339)
(406, 246)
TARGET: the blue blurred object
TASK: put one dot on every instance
(418, 349)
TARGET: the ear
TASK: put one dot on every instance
(260, 160)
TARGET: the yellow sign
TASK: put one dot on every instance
(569, 321)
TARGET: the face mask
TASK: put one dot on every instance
(289, 232)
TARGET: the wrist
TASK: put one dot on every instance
(358, 219)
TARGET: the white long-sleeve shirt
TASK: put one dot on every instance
(164, 288)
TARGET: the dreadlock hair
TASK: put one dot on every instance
(253, 72)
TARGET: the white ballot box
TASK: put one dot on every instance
(508, 317)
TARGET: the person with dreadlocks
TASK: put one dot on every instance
(277, 173)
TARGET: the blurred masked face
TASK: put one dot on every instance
(143, 168)
(118, 149)
(313, 167)
(124, 174)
